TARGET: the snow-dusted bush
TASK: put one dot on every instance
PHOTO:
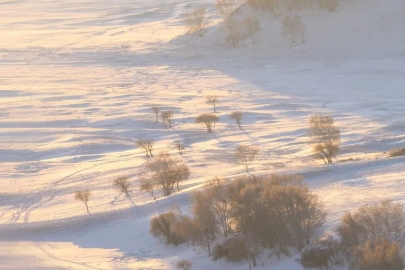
(294, 27)
(122, 184)
(324, 137)
(84, 197)
(179, 146)
(232, 249)
(209, 120)
(147, 145)
(252, 26)
(385, 220)
(322, 254)
(156, 111)
(163, 227)
(396, 152)
(184, 265)
(245, 154)
(167, 118)
(377, 255)
(237, 116)
(197, 21)
(163, 174)
(212, 100)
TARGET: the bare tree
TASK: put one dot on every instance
(147, 145)
(156, 110)
(123, 185)
(179, 146)
(245, 154)
(197, 21)
(294, 27)
(325, 137)
(184, 265)
(163, 173)
(167, 118)
(209, 120)
(213, 100)
(84, 197)
(252, 26)
(237, 116)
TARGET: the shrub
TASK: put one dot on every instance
(232, 250)
(396, 152)
(385, 220)
(377, 255)
(237, 116)
(163, 227)
(83, 196)
(184, 265)
(197, 21)
(209, 120)
(323, 254)
(245, 154)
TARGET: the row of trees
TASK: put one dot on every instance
(241, 219)
(323, 133)
(237, 31)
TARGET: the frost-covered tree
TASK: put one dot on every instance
(213, 100)
(294, 27)
(164, 173)
(209, 120)
(324, 137)
(197, 21)
(156, 111)
(179, 146)
(252, 27)
(167, 118)
(122, 184)
(245, 154)
(237, 116)
(147, 145)
(84, 197)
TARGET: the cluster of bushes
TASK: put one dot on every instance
(240, 220)
(371, 238)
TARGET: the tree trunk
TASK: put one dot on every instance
(87, 208)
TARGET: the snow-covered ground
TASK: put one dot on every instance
(78, 78)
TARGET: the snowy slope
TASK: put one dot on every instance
(77, 81)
